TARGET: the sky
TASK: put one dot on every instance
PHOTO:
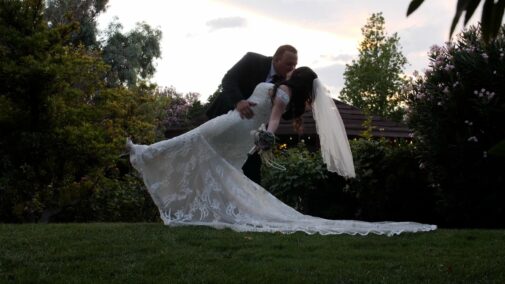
(202, 39)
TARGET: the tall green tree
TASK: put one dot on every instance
(81, 12)
(131, 55)
(374, 81)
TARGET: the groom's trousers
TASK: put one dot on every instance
(252, 168)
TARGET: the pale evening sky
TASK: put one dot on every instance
(202, 39)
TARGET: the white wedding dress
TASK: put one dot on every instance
(196, 179)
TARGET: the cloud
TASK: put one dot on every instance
(340, 17)
(332, 77)
(338, 58)
(225, 23)
(326, 60)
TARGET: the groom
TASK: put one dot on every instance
(239, 83)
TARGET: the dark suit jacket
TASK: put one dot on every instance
(239, 82)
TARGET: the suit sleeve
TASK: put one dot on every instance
(232, 93)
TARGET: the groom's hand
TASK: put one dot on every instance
(244, 108)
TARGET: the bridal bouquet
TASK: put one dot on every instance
(263, 139)
(264, 142)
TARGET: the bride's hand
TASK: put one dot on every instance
(244, 108)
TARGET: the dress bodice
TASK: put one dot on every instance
(262, 95)
(230, 135)
(263, 107)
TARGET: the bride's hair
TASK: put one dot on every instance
(300, 83)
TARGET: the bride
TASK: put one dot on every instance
(196, 178)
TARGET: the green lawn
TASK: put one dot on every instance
(118, 253)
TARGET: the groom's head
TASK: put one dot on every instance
(285, 60)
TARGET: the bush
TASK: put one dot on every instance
(115, 195)
(304, 173)
(389, 184)
(457, 110)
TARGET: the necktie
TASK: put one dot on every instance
(276, 79)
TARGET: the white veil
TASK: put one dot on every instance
(335, 147)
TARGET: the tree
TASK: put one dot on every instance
(374, 81)
(62, 129)
(491, 18)
(82, 12)
(131, 55)
(182, 111)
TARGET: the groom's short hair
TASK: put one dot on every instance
(283, 48)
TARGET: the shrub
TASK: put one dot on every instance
(304, 173)
(457, 110)
(389, 184)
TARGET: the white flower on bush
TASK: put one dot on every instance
(485, 56)
(440, 60)
(449, 67)
(473, 139)
(448, 54)
(435, 49)
(483, 93)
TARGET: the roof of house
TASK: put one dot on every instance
(353, 120)
(352, 117)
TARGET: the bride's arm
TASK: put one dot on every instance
(279, 106)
